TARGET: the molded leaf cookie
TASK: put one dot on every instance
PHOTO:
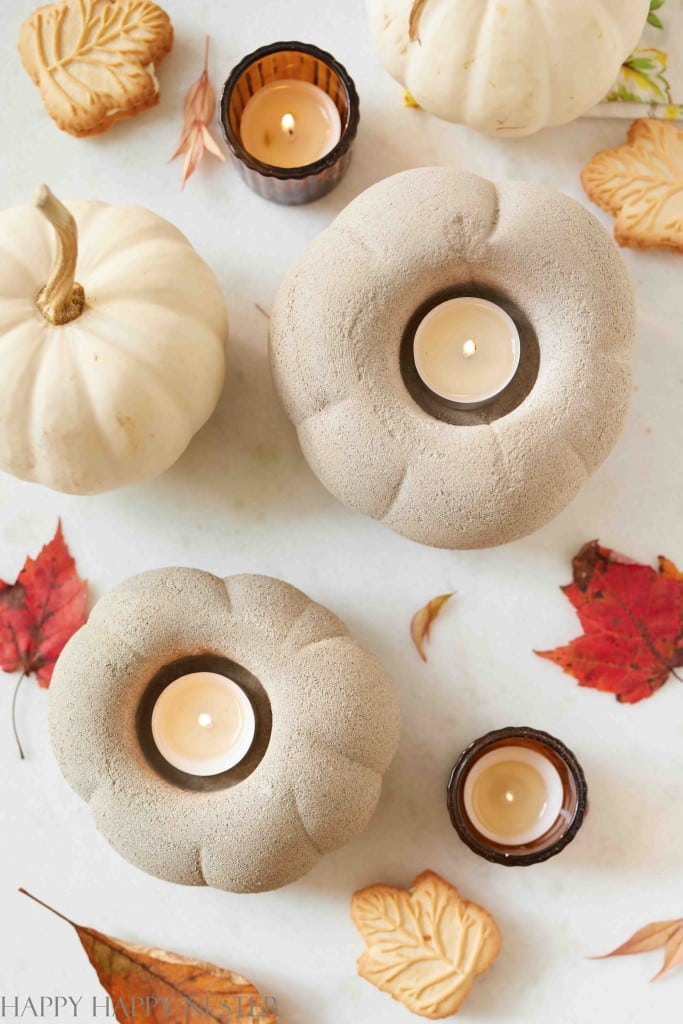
(94, 60)
(425, 945)
(641, 184)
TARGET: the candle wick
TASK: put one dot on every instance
(288, 124)
(469, 348)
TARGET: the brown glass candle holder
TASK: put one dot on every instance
(297, 61)
(574, 800)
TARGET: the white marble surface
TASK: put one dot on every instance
(242, 499)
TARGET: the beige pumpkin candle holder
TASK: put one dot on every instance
(176, 672)
(479, 470)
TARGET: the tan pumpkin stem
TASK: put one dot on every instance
(61, 300)
(414, 20)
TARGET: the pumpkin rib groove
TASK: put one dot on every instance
(327, 407)
(395, 496)
(152, 253)
(153, 384)
(549, 65)
(107, 446)
(312, 841)
(96, 261)
(327, 747)
(476, 43)
(19, 415)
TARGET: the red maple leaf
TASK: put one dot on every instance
(40, 612)
(632, 619)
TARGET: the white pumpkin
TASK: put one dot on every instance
(105, 381)
(506, 67)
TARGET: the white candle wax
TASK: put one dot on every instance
(513, 795)
(467, 350)
(203, 723)
(289, 123)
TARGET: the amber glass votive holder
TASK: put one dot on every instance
(299, 61)
(574, 797)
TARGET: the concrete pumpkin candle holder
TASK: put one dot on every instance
(466, 470)
(324, 728)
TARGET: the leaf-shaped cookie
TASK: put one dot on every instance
(641, 184)
(94, 60)
(425, 945)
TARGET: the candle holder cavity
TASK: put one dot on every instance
(546, 783)
(301, 62)
(326, 728)
(342, 333)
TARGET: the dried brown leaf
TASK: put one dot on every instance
(651, 936)
(421, 624)
(673, 954)
(167, 987)
(658, 934)
(196, 139)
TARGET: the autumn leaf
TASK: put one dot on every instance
(154, 985)
(632, 618)
(421, 623)
(39, 613)
(660, 934)
(641, 184)
(196, 139)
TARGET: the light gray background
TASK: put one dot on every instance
(242, 499)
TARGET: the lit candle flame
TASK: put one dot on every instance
(288, 124)
(469, 348)
(206, 721)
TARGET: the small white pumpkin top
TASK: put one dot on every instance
(106, 380)
(507, 67)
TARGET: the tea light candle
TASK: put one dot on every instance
(467, 350)
(513, 795)
(203, 724)
(290, 123)
(290, 113)
(517, 796)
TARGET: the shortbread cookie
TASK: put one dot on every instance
(426, 945)
(641, 184)
(94, 60)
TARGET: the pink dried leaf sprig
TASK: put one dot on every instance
(196, 139)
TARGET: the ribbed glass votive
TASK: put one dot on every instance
(524, 766)
(298, 62)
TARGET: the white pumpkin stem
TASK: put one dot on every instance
(414, 20)
(61, 300)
